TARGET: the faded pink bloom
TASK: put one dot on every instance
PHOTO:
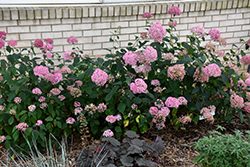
(172, 23)
(48, 41)
(41, 70)
(17, 100)
(155, 82)
(210, 46)
(12, 43)
(70, 120)
(118, 117)
(141, 57)
(172, 102)
(1, 78)
(245, 60)
(200, 76)
(156, 32)
(2, 35)
(209, 117)
(175, 10)
(153, 110)
(65, 70)
(55, 91)
(108, 133)
(247, 106)
(185, 119)
(77, 104)
(130, 58)
(39, 122)
(214, 34)
(220, 53)
(248, 96)
(158, 89)
(134, 107)
(236, 101)
(78, 83)
(53, 78)
(101, 107)
(2, 139)
(159, 103)
(222, 41)
(75, 92)
(2, 44)
(22, 126)
(204, 110)
(1, 107)
(165, 110)
(41, 99)
(147, 15)
(150, 54)
(182, 100)
(48, 55)
(61, 97)
(12, 112)
(245, 75)
(234, 67)
(69, 55)
(247, 82)
(36, 91)
(144, 35)
(78, 110)
(139, 86)
(38, 43)
(99, 77)
(32, 108)
(212, 70)
(159, 119)
(43, 105)
(72, 40)
(168, 56)
(183, 52)
(70, 87)
(176, 72)
(198, 31)
(110, 119)
(248, 42)
(46, 47)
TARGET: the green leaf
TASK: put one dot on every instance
(137, 100)
(49, 119)
(11, 120)
(22, 68)
(16, 135)
(35, 134)
(198, 105)
(11, 96)
(59, 124)
(121, 107)
(118, 129)
(109, 96)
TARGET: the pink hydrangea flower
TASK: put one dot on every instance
(139, 86)
(247, 107)
(2, 35)
(75, 92)
(165, 110)
(2, 139)
(156, 32)
(41, 99)
(248, 42)
(108, 133)
(172, 23)
(2, 44)
(212, 70)
(236, 101)
(159, 119)
(38, 43)
(12, 112)
(12, 43)
(78, 83)
(17, 100)
(1, 107)
(47, 47)
(41, 70)
(198, 31)
(78, 110)
(234, 67)
(110, 119)
(159, 103)
(214, 34)
(65, 70)
(182, 100)
(200, 76)
(61, 97)
(176, 72)
(172, 102)
(155, 82)
(130, 58)
(158, 89)
(70, 120)
(168, 56)
(99, 77)
(48, 55)
(175, 10)
(153, 110)
(118, 117)
(48, 40)
(55, 91)
(77, 104)
(39, 122)
(144, 35)
(222, 41)
(134, 107)
(53, 78)
(220, 53)
(210, 46)
(247, 82)
(22, 126)
(150, 54)
(32, 108)
(68, 55)
(36, 91)
(245, 60)
(147, 15)
(185, 119)
(101, 107)
(72, 40)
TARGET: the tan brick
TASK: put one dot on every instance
(219, 17)
(161, 16)
(8, 23)
(92, 33)
(23, 44)
(234, 28)
(60, 42)
(193, 14)
(100, 52)
(69, 47)
(100, 25)
(212, 12)
(246, 15)
(241, 34)
(137, 23)
(246, 27)
(40, 28)
(61, 27)
(30, 36)
(71, 21)
(92, 46)
(185, 27)
(91, 19)
(109, 19)
(12, 36)
(72, 33)
(187, 20)
(59, 13)
(184, 33)
(17, 29)
(127, 18)
(128, 30)
(45, 13)
(228, 11)
(57, 49)
(235, 16)
(204, 18)
(81, 26)
(22, 13)
(211, 24)
(111, 11)
(222, 29)
(227, 23)
(6, 14)
(242, 21)
(52, 35)
(100, 39)
(51, 21)
(85, 40)
(227, 35)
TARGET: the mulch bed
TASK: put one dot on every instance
(178, 144)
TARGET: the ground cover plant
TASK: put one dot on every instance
(155, 81)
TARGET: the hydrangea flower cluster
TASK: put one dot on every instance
(12, 43)
(48, 41)
(153, 110)
(220, 53)
(55, 91)
(212, 70)
(200, 76)
(156, 32)
(147, 15)
(236, 101)
(2, 35)
(130, 58)
(208, 113)
(159, 119)
(91, 108)
(198, 31)
(150, 54)
(108, 133)
(43, 105)
(38, 43)
(245, 60)
(139, 86)
(101, 107)
(99, 77)
(155, 82)
(185, 119)
(214, 34)
(78, 110)
(75, 92)
(112, 118)
(61, 97)
(39, 122)
(41, 71)
(2, 44)
(17, 100)
(69, 55)
(31, 108)
(172, 102)
(168, 56)
(176, 72)
(41, 99)
(175, 10)
(222, 41)
(182, 100)
(234, 67)
(210, 46)
(22, 126)
(12, 112)
(247, 82)
(2, 139)
(172, 23)
(72, 40)
(70, 120)
(247, 107)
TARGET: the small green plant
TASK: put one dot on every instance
(224, 149)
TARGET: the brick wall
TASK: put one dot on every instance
(92, 24)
